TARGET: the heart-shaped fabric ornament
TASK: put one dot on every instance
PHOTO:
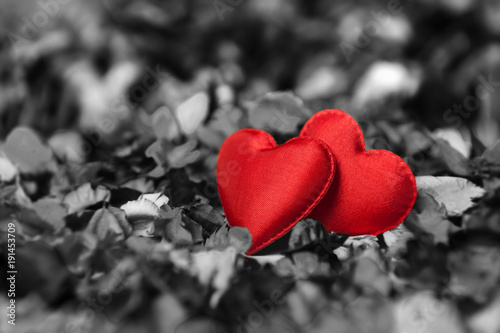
(373, 191)
(268, 188)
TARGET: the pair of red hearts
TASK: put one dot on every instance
(325, 174)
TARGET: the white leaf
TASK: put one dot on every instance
(455, 139)
(192, 112)
(271, 259)
(455, 193)
(141, 209)
(7, 170)
(159, 199)
(383, 79)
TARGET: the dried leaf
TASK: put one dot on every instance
(237, 237)
(429, 217)
(457, 194)
(77, 251)
(25, 149)
(51, 211)
(280, 112)
(8, 171)
(109, 224)
(84, 196)
(175, 230)
(192, 113)
(159, 199)
(306, 232)
(451, 158)
(141, 209)
(455, 139)
(214, 268)
(492, 154)
(164, 124)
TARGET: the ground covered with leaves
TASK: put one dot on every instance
(111, 117)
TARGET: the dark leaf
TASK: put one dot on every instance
(237, 237)
(122, 195)
(176, 229)
(109, 224)
(41, 271)
(77, 251)
(306, 232)
(79, 220)
(424, 265)
(474, 264)
(206, 216)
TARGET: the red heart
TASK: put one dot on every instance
(268, 188)
(373, 190)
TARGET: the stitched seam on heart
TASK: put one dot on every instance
(314, 203)
(328, 112)
(270, 138)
